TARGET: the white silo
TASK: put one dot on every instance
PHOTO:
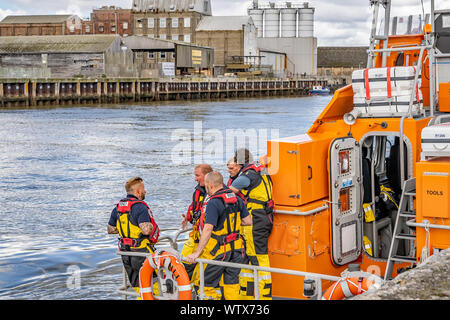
(288, 22)
(257, 16)
(272, 22)
(306, 21)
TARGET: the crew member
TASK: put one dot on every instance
(220, 239)
(133, 220)
(256, 187)
(193, 216)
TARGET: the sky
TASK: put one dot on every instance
(337, 22)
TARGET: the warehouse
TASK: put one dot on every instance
(232, 37)
(40, 25)
(65, 56)
(160, 58)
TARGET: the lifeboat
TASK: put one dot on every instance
(369, 182)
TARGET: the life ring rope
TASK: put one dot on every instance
(360, 284)
(168, 267)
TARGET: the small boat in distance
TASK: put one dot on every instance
(319, 90)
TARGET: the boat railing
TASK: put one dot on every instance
(426, 225)
(316, 278)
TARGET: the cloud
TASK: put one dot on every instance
(7, 12)
(337, 22)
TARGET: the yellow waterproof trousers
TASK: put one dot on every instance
(256, 249)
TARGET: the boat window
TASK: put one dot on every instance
(344, 161)
(400, 61)
(402, 26)
(344, 199)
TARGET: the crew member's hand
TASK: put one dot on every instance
(191, 258)
(184, 221)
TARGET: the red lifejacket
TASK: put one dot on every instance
(196, 205)
(250, 166)
(124, 206)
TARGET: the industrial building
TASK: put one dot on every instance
(110, 20)
(163, 58)
(169, 20)
(272, 63)
(287, 27)
(65, 56)
(40, 25)
(338, 63)
(234, 41)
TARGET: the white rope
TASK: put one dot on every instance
(357, 286)
(427, 247)
(334, 288)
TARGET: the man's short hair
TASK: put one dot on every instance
(214, 178)
(205, 168)
(243, 156)
(130, 184)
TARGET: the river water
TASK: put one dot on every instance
(63, 169)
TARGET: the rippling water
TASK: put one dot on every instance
(63, 169)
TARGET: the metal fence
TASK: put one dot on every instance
(315, 277)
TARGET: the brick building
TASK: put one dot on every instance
(110, 20)
(41, 25)
(169, 20)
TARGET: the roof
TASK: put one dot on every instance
(57, 44)
(200, 6)
(56, 18)
(145, 43)
(220, 23)
(341, 56)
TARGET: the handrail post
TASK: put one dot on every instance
(256, 283)
(124, 282)
(202, 295)
(318, 287)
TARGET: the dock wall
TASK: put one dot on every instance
(38, 92)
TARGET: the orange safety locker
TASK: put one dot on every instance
(433, 201)
(298, 168)
(444, 97)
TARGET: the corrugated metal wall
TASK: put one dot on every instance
(194, 57)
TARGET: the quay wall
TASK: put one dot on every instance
(37, 92)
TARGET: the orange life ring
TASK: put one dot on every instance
(347, 287)
(169, 267)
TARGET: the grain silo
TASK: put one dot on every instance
(288, 17)
(306, 21)
(283, 19)
(271, 22)
(289, 27)
(258, 18)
